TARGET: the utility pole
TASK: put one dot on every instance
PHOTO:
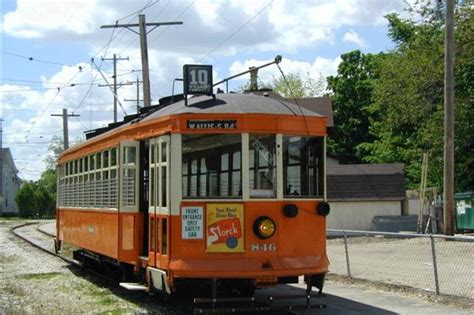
(144, 49)
(115, 82)
(138, 96)
(448, 190)
(116, 86)
(65, 116)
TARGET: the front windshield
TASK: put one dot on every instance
(212, 166)
(303, 166)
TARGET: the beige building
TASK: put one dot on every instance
(9, 183)
(358, 193)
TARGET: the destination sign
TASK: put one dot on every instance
(212, 124)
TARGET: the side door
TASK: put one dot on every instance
(159, 201)
(129, 229)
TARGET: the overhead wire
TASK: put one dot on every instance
(232, 34)
(106, 47)
(132, 15)
(33, 123)
(34, 59)
(80, 121)
(135, 39)
(294, 98)
(43, 82)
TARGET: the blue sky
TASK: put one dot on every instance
(61, 35)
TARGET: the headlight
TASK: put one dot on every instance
(323, 208)
(264, 227)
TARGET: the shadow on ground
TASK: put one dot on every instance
(183, 304)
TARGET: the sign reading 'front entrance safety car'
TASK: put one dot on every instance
(225, 228)
(192, 223)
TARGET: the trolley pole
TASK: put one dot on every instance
(448, 194)
(115, 82)
(144, 49)
(65, 116)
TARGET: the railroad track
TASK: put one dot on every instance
(32, 234)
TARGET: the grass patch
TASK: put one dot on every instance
(6, 259)
(14, 290)
(40, 276)
(107, 300)
(13, 218)
(117, 312)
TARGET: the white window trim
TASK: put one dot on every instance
(157, 166)
(175, 174)
(123, 166)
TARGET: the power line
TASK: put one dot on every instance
(132, 17)
(142, 33)
(45, 83)
(232, 34)
(236, 31)
(153, 18)
(80, 121)
(34, 59)
(33, 123)
(34, 90)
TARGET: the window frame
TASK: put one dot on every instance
(198, 157)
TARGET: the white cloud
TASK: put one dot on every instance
(211, 30)
(353, 37)
(320, 67)
(37, 18)
(281, 25)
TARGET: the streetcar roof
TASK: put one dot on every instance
(228, 103)
(233, 103)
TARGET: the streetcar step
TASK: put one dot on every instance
(133, 286)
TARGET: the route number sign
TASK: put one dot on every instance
(197, 79)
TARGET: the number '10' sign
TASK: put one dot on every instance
(197, 79)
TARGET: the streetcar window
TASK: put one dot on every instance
(163, 186)
(152, 187)
(212, 166)
(163, 152)
(105, 159)
(86, 164)
(303, 166)
(152, 153)
(98, 162)
(113, 157)
(203, 177)
(236, 180)
(262, 158)
(129, 156)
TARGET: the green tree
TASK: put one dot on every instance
(409, 101)
(351, 92)
(38, 198)
(296, 86)
(55, 148)
(25, 200)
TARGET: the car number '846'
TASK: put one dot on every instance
(264, 247)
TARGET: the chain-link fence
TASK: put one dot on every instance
(441, 264)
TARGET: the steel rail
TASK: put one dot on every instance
(14, 231)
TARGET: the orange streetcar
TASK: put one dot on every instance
(224, 190)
